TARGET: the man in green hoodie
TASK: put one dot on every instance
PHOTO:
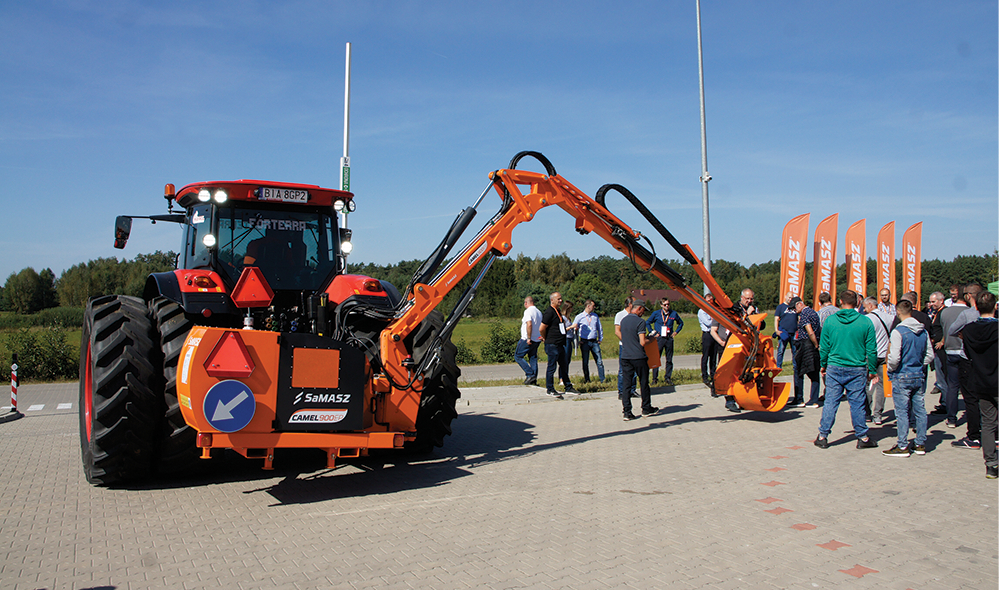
(847, 357)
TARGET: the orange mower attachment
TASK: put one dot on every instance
(747, 371)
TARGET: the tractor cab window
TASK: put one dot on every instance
(198, 254)
(292, 248)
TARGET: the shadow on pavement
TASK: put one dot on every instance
(480, 439)
(483, 439)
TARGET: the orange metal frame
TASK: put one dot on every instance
(748, 369)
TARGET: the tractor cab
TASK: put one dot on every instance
(288, 231)
(294, 249)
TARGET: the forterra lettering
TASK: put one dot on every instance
(279, 224)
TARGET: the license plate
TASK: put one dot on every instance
(285, 195)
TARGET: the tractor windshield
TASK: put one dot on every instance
(294, 249)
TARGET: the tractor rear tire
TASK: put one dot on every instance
(119, 402)
(440, 391)
(176, 448)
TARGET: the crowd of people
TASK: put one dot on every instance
(844, 349)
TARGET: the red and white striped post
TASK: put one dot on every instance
(13, 414)
(13, 385)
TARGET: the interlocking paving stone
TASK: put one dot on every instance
(546, 494)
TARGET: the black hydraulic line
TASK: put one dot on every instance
(549, 168)
(648, 258)
(641, 208)
(430, 266)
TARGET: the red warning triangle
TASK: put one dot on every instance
(230, 358)
(252, 289)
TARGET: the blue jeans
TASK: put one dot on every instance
(666, 348)
(846, 382)
(530, 350)
(779, 350)
(587, 348)
(557, 359)
(907, 394)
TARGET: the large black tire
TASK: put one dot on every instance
(440, 390)
(120, 405)
(176, 449)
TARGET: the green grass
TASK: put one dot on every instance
(475, 333)
(680, 377)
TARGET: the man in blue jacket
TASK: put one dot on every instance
(666, 324)
(910, 351)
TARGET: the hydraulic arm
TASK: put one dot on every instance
(747, 368)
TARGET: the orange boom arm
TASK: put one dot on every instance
(747, 370)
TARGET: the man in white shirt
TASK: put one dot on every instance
(629, 302)
(527, 346)
(709, 353)
(880, 321)
(885, 305)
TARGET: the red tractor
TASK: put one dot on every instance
(260, 340)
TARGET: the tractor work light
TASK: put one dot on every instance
(346, 247)
(204, 195)
(220, 196)
(338, 205)
(208, 240)
(351, 206)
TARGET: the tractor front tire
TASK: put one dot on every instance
(176, 448)
(119, 402)
(440, 391)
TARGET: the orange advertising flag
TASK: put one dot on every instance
(854, 255)
(887, 260)
(911, 259)
(825, 260)
(793, 256)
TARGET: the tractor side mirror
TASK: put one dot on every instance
(123, 227)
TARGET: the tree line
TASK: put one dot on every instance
(27, 291)
(609, 280)
(604, 279)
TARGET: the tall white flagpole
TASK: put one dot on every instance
(345, 160)
(706, 258)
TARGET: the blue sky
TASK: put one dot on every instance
(877, 110)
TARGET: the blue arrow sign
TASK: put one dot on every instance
(229, 406)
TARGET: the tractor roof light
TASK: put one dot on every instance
(351, 206)
(220, 196)
(338, 205)
(204, 195)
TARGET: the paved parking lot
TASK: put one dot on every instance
(528, 493)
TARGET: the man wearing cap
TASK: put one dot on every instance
(634, 362)
(806, 354)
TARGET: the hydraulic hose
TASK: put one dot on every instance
(641, 208)
(549, 168)
(430, 266)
